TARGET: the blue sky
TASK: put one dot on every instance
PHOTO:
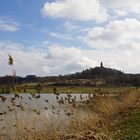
(32, 26)
(52, 37)
(26, 13)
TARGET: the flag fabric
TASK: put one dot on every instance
(10, 60)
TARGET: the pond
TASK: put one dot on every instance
(41, 110)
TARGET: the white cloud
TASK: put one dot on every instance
(122, 7)
(8, 26)
(82, 10)
(85, 10)
(61, 36)
(123, 34)
(59, 59)
(69, 26)
(26, 61)
(68, 60)
(63, 60)
(54, 60)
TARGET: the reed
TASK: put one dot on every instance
(11, 63)
(96, 124)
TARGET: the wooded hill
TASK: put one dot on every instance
(93, 76)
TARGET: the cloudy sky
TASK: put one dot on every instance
(52, 37)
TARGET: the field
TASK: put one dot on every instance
(45, 88)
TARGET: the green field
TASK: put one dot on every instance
(85, 89)
(128, 127)
(44, 88)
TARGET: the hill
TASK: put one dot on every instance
(93, 77)
(101, 76)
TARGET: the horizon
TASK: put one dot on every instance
(61, 37)
(68, 73)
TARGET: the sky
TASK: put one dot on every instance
(52, 37)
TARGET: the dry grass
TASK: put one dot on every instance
(106, 109)
(95, 125)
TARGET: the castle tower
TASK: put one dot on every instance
(102, 65)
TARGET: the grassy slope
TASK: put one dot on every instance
(129, 127)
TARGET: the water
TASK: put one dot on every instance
(39, 111)
(43, 108)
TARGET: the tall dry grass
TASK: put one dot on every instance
(95, 125)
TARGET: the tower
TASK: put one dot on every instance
(101, 64)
